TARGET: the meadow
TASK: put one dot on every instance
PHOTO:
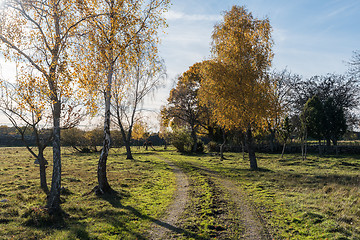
(316, 198)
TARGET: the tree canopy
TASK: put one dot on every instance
(235, 82)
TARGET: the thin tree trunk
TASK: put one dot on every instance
(283, 150)
(103, 184)
(222, 146)
(126, 137)
(42, 167)
(53, 202)
(128, 150)
(250, 148)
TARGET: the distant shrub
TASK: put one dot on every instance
(181, 140)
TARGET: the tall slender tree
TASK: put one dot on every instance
(119, 25)
(144, 75)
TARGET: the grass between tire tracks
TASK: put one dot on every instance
(210, 214)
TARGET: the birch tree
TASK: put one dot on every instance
(37, 33)
(234, 80)
(30, 118)
(120, 25)
(144, 75)
(25, 107)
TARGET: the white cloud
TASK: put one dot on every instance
(279, 35)
(173, 15)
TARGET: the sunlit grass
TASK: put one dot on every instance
(313, 199)
(145, 188)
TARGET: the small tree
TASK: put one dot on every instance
(31, 118)
(183, 107)
(285, 133)
(25, 107)
(164, 132)
(143, 77)
(335, 121)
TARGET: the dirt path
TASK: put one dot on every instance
(162, 228)
(255, 227)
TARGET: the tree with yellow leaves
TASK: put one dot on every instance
(234, 80)
(109, 44)
(37, 34)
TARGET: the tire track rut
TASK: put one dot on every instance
(163, 228)
(255, 226)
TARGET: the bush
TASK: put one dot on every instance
(181, 140)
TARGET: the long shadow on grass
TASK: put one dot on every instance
(115, 201)
(289, 177)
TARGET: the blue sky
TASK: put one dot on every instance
(312, 37)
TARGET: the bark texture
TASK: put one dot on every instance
(42, 167)
(103, 184)
(53, 202)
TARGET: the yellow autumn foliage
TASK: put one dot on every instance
(235, 85)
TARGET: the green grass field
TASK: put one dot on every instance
(313, 199)
(145, 188)
(318, 198)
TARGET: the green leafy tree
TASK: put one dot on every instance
(183, 108)
(335, 121)
(313, 120)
